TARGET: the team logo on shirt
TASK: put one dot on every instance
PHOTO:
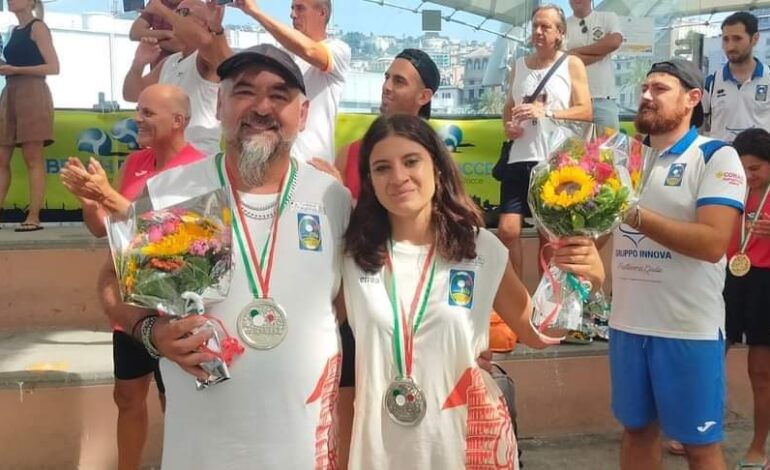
(598, 33)
(675, 174)
(461, 284)
(309, 228)
(760, 93)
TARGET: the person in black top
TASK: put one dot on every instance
(26, 107)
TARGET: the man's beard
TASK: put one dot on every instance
(259, 150)
(742, 59)
(652, 121)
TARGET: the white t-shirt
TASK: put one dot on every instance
(735, 107)
(204, 131)
(324, 90)
(601, 76)
(278, 409)
(532, 146)
(655, 290)
(466, 420)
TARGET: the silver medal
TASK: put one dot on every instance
(405, 402)
(262, 324)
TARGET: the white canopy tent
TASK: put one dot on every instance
(678, 8)
(517, 12)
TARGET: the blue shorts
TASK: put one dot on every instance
(680, 383)
(514, 188)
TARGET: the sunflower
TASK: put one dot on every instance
(567, 187)
(171, 245)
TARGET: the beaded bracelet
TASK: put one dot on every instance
(138, 324)
(147, 325)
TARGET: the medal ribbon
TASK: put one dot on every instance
(260, 287)
(403, 326)
(746, 234)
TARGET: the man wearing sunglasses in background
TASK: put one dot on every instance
(593, 36)
(198, 26)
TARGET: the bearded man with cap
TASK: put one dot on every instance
(667, 347)
(278, 409)
(324, 61)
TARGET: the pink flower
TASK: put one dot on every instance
(155, 234)
(592, 150)
(604, 171)
(564, 160)
(588, 164)
(170, 226)
(199, 248)
(216, 245)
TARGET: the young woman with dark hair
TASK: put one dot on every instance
(421, 277)
(746, 287)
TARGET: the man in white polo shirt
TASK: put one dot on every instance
(736, 96)
(593, 36)
(324, 62)
(667, 346)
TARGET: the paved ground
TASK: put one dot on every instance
(601, 452)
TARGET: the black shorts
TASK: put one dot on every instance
(747, 311)
(348, 375)
(514, 188)
(132, 361)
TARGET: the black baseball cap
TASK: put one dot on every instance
(428, 71)
(268, 55)
(690, 75)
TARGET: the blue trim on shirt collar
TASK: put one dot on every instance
(720, 201)
(683, 144)
(758, 69)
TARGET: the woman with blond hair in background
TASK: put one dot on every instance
(26, 107)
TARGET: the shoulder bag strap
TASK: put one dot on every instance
(546, 77)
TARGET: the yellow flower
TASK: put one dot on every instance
(197, 230)
(171, 245)
(567, 187)
(636, 176)
(129, 284)
(613, 183)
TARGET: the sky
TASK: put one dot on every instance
(348, 15)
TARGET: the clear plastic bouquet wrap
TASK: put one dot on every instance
(178, 260)
(585, 188)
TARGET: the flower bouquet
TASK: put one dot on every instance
(177, 260)
(585, 188)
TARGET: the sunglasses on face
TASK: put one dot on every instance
(184, 11)
(583, 27)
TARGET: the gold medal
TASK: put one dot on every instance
(739, 265)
